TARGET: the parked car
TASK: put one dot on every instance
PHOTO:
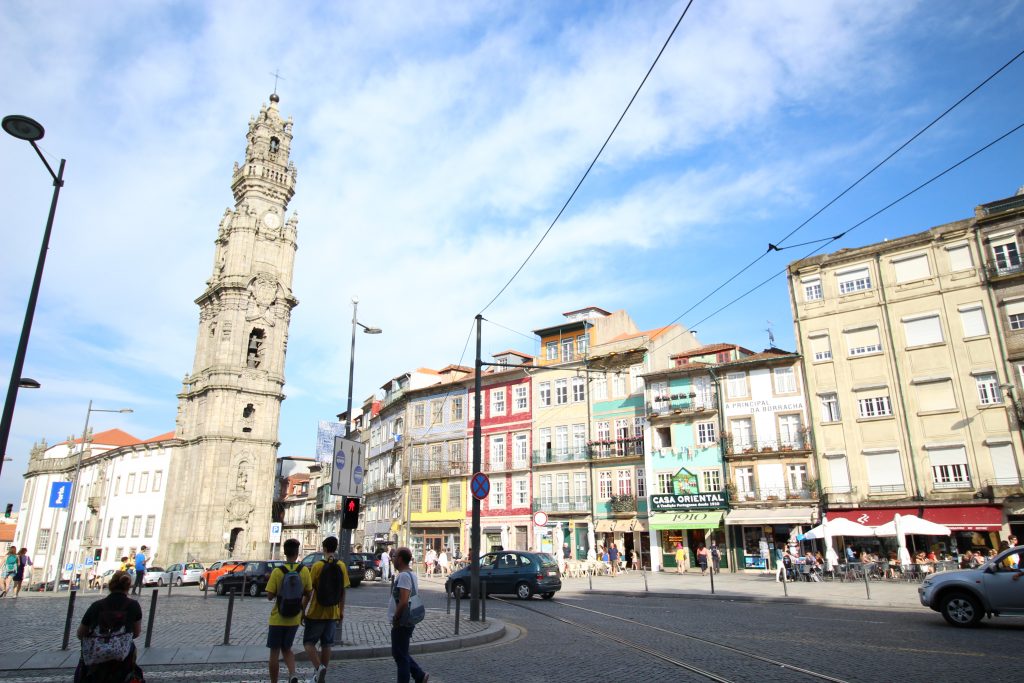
(354, 567)
(511, 572)
(210, 576)
(370, 564)
(156, 576)
(252, 577)
(185, 572)
(994, 589)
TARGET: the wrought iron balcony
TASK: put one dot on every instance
(1000, 269)
(736, 446)
(888, 488)
(556, 455)
(952, 485)
(682, 404)
(617, 449)
(575, 504)
(430, 469)
(775, 493)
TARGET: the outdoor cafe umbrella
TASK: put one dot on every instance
(556, 543)
(591, 542)
(902, 526)
(837, 527)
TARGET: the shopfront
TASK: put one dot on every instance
(435, 537)
(974, 527)
(688, 528)
(755, 534)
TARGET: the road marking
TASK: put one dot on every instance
(852, 621)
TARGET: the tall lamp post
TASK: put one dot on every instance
(74, 490)
(346, 534)
(24, 128)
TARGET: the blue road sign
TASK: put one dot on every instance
(339, 459)
(89, 562)
(60, 494)
(69, 567)
(480, 485)
(357, 475)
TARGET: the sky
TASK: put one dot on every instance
(435, 143)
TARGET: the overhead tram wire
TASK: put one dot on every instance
(829, 240)
(777, 246)
(593, 162)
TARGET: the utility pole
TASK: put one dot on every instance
(474, 534)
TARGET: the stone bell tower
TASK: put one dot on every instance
(221, 483)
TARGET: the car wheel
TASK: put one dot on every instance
(202, 584)
(219, 589)
(547, 596)
(523, 591)
(459, 590)
(254, 589)
(961, 609)
(369, 575)
(160, 582)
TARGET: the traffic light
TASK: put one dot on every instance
(350, 514)
(8, 510)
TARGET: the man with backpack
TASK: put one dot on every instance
(289, 587)
(326, 609)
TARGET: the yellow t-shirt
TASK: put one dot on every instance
(274, 586)
(680, 556)
(317, 611)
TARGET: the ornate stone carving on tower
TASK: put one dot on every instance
(221, 484)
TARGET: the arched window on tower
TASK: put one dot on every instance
(274, 145)
(248, 417)
(254, 353)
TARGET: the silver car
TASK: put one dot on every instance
(155, 576)
(963, 597)
(184, 572)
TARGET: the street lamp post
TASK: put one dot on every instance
(74, 492)
(346, 534)
(24, 128)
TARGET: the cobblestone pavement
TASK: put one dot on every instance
(856, 645)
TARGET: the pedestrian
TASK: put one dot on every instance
(10, 569)
(400, 610)
(140, 570)
(385, 565)
(289, 587)
(112, 623)
(680, 558)
(442, 562)
(716, 558)
(429, 560)
(636, 560)
(326, 609)
(24, 562)
(613, 558)
(702, 559)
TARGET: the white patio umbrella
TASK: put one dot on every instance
(903, 525)
(557, 538)
(591, 542)
(837, 527)
(504, 536)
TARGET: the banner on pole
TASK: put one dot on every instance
(325, 435)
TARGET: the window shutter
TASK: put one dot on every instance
(862, 338)
(1003, 466)
(936, 395)
(954, 455)
(973, 321)
(838, 472)
(923, 331)
(1015, 307)
(820, 347)
(884, 469)
(960, 258)
(911, 269)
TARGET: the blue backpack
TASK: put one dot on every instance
(289, 598)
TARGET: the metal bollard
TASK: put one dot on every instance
(712, 574)
(447, 603)
(152, 617)
(458, 602)
(867, 584)
(206, 589)
(227, 623)
(785, 588)
(67, 621)
(243, 585)
(483, 602)
(590, 578)
(643, 573)
(169, 588)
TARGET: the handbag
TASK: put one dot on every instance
(97, 649)
(415, 611)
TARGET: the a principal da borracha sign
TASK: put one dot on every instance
(668, 502)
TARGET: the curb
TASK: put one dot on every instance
(741, 597)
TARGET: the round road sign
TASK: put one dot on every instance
(540, 518)
(480, 485)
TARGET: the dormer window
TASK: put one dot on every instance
(274, 145)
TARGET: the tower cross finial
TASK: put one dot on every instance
(277, 76)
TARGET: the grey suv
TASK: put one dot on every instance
(963, 597)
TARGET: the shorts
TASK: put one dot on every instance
(281, 637)
(321, 630)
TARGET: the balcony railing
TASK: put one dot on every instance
(682, 403)
(391, 397)
(388, 481)
(617, 449)
(440, 468)
(888, 488)
(771, 493)
(839, 490)
(623, 503)
(1003, 481)
(575, 504)
(556, 455)
(736, 446)
(1007, 205)
(1004, 269)
(951, 485)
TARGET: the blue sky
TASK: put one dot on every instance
(435, 142)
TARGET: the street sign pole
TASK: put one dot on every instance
(474, 533)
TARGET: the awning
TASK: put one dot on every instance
(623, 525)
(966, 517)
(871, 516)
(694, 519)
(640, 525)
(794, 515)
(604, 525)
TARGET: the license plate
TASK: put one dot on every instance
(552, 573)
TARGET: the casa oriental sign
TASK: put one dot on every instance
(673, 502)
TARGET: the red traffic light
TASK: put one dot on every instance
(351, 506)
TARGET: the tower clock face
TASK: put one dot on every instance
(271, 220)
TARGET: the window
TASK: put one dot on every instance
(416, 499)
(130, 488)
(785, 383)
(625, 482)
(579, 438)
(42, 541)
(604, 431)
(885, 474)
(736, 384)
(122, 528)
(838, 472)
(581, 489)
(498, 494)
(562, 488)
(1006, 255)
(582, 344)
(604, 485)
(959, 257)
(874, 406)
(498, 452)
(1015, 314)
(812, 289)
(434, 498)
(830, 408)
(520, 399)
(579, 392)
(567, 354)
(744, 482)
(520, 450)
(988, 389)
(551, 350)
(935, 395)
(636, 381)
(618, 384)
(705, 433)
(143, 482)
(520, 492)
(711, 480)
(544, 391)
(972, 319)
(742, 433)
(855, 280)
(562, 439)
(418, 415)
(863, 341)
(621, 429)
(600, 388)
(456, 409)
(254, 353)
(665, 482)
(561, 391)
(641, 483)
(136, 525)
(949, 467)
(436, 407)
(498, 401)
(454, 496)
(821, 348)
(1003, 464)
(117, 486)
(473, 407)
(790, 431)
(796, 477)
(546, 490)
(922, 330)
(110, 528)
(911, 268)
(544, 434)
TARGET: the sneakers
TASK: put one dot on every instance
(321, 674)
(293, 679)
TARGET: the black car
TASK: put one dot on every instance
(370, 564)
(511, 572)
(252, 579)
(355, 567)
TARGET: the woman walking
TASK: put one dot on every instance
(10, 569)
(24, 562)
(702, 559)
(113, 622)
